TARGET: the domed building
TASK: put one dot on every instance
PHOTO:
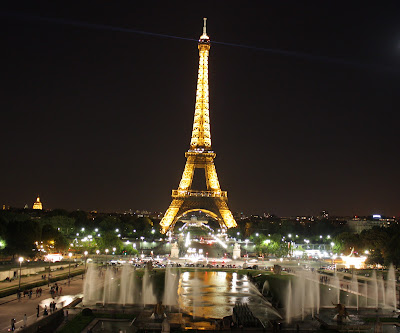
(37, 204)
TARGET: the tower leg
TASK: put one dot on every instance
(226, 214)
(169, 217)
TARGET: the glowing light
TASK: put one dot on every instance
(53, 257)
(20, 259)
(352, 261)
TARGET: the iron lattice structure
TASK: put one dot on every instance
(213, 201)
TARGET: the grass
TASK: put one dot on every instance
(79, 322)
(383, 320)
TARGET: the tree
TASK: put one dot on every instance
(109, 240)
(110, 223)
(21, 237)
(53, 238)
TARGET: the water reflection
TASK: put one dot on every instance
(214, 294)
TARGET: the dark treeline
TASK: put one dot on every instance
(272, 235)
(23, 232)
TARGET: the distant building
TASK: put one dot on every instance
(324, 215)
(358, 224)
(37, 204)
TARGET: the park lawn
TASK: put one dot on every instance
(79, 322)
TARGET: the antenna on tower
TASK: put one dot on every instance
(204, 26)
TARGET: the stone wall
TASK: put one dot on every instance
(27, 271)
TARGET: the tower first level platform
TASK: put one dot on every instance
(213, 201)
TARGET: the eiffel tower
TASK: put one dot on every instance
(213, 201)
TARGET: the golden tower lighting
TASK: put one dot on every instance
(213, 201)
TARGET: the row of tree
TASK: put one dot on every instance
(25, 232)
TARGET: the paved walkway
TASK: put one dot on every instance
(10, 307)
(4, 285)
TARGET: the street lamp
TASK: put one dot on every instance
(97, 252)
(69, 268)
(20, 259)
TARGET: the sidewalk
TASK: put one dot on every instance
(12, 308)
(26, 280)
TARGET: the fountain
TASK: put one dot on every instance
(127, 286)
(336, 285)
(110, 286)
(354, 289)
(289, 301)
(170, 287)
(148, 296)
(391, 293)
(204, 294)
(374, 292)
(303, 296)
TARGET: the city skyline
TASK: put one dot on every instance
(302, 106)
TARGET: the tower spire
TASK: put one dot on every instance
(201, 135)
(204, 26)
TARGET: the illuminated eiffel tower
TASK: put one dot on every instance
(213, 201)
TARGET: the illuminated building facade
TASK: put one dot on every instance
(213, 201)
(37, 204)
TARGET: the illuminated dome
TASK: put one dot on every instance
(37, 204)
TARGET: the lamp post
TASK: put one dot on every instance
(69, 268)
(97, 252)
(20, 259)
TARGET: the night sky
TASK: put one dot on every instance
(304, 106)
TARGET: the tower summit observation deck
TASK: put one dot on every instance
(213, 201)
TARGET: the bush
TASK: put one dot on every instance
(87, 312)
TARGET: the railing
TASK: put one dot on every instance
(193, 193)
